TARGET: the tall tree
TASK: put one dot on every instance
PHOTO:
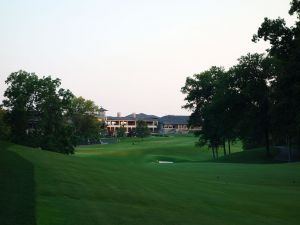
(53, 104)
(252, 80)
(37, 111)
(203, 93)
(285, 48)
(233, 104)
(20, 103)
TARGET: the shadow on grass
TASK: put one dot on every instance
(17, 190)
(253, 156)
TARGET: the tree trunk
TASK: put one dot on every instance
(224, 147)
(217, 152)
(267, 142)
(229, 150)
(213, 152)
(290, 149)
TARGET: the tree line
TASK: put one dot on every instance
(37, 112)
(256, 100)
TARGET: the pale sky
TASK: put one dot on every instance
(129, 55)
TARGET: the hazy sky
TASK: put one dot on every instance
(129, 55)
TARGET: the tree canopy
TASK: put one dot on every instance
(257, 100)
(285, 49)
(87, 126)
(42, 114)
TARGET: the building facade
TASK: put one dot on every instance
(164, 125)
(174, 124)
(129, 122)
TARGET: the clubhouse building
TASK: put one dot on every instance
(129, 122)
(164, 125)
(174, 124)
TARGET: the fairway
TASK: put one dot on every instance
(123, 183)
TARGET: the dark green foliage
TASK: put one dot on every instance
(253, 79)
(4, 127)
(87, 127)
(62, 141)
(121, 132)
(38, 112)
(42, 114)
(20, 96)
(53, 105)
(233, 104)
(257, 100)
(142, 129)
(285, 48)
(209, 97)
(295, 7)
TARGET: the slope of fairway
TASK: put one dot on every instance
(123, 184)
(175, 149)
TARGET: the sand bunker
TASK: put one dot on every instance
(165, 162)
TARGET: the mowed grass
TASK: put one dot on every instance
(153, 149)
(124, 184)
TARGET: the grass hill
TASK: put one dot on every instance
(123, 184)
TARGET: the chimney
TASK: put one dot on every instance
(118, 114)
(134, 115)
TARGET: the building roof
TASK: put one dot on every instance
(102, 109)
(167, 120)
(170, 119)
(143, 116)
(140, 116)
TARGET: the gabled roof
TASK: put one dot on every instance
(170, 119)
(143, 116)
(118, 118)
(140, 116)
(102, 110)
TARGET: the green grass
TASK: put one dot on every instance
(124, 184)
(254, 156)
(17, 190)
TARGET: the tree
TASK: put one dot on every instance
(204, 99)
(225, 103)
(232, 104)
(285, 49)
(252, 80)
(142, 129)
(4, 127)
(87, 126)
(38, 112)
(20, 103)
(258, 93)
(53, 105)
(121, 132)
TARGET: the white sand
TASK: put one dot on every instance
(164, 162)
